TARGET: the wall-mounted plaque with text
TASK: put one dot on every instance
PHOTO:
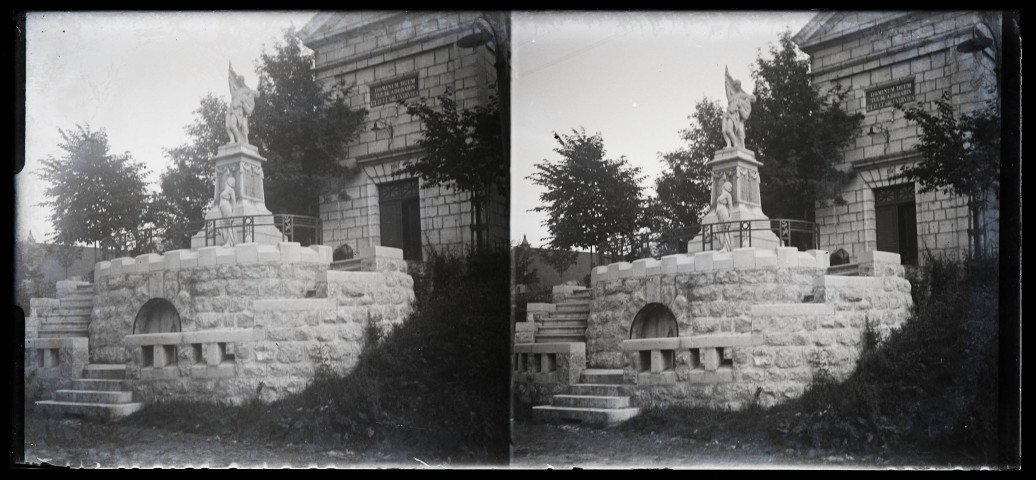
(394, 90)
(890, 95)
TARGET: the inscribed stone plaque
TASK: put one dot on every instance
(394, 91)
(890, 95)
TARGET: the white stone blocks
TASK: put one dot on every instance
(877, 256)
(226, 256)
(823, 258)
(646, 266)
(722, 261)
(246, 253)
(787, 257)
(123, 265)
(268, 254)
(744, 258)
(102, 269)
(598, 273)
(290, 252)
(703, 261)
(307, 255)
(324, 253)
(625, 270)
(293, 304)
(145, 262)
(207, 256)
(792, 309)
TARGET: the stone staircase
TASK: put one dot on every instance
(568, 322)
(72, 317)
(98, 395)
(597, 400)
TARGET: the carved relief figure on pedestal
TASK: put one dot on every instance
(242, 103)
(739, 108)
(724, 203)
(227, 200)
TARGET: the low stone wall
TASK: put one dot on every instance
(754, 326)
(52, 363)
(542, 370)
(256, 321)
(709, 293)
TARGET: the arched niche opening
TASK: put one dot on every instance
(654, 321)
(158, 315)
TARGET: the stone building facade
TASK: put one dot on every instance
(387, 57)
(887, 59)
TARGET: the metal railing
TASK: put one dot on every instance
(792, 233)
(293, 228)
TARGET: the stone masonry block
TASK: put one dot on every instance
(598, 273)
(324, 253)
(307, 255)
(877, 256)
(744, 258)
(290, 252)
(207, 256)
(268, 254)
(124, 265)
(703, 261)
(685, 264)
(823, 257)
(805, 260)
(787, 257)
(226, 256)
(613, 272)
(247, 253)
(710, 358)
(625, 270)
(670, 264)
(102, 269)
(641, 266)
(722, 261)
(765, 258)
(174, 259)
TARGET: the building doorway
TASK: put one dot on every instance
(895, 212)
(400, 206)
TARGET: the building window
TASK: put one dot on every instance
(895, 213)
(400, 206)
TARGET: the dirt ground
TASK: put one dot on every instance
(73, 443)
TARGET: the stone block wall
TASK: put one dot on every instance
(865, 50)
(52, 363)
(542, 370)
(707, 293)
(255, 322)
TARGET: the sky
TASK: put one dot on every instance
(137, 75)
(632, 77)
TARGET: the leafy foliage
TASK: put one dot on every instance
(590, 201)
(461, 150)
(96, 196)
(684, 188)
(29, 278)
(798, 134)
(961, 156)
(524, 272)
(560, 260)
(300, 127)
(187, 184)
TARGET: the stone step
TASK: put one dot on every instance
(602, 376)
(93, 396)
(592, 416)
(595, 389)
(71, 312)
(78, 296)
(572, 308)
(104, 371)
(102, 384)
(65, 333)
(64, 320)
(564, 324)
(561, 331)
(557, 317)
(590, 401)
(87, 302)
(560, 338)
(94, 411)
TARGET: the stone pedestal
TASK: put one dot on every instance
(740, 168)
(244, 163)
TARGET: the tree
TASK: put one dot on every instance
(684, 188)
(961, 156)
(798, 134)
(524, 272)
(96, 196)
(29, 278)
(590, 201)
(560, 260)
(301, 128)
(461, 150)
(187, 184)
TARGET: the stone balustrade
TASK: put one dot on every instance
(705, 358)
(198, 354)
(52, 363)
(541, 370)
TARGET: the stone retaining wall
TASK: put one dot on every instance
(271, 317)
